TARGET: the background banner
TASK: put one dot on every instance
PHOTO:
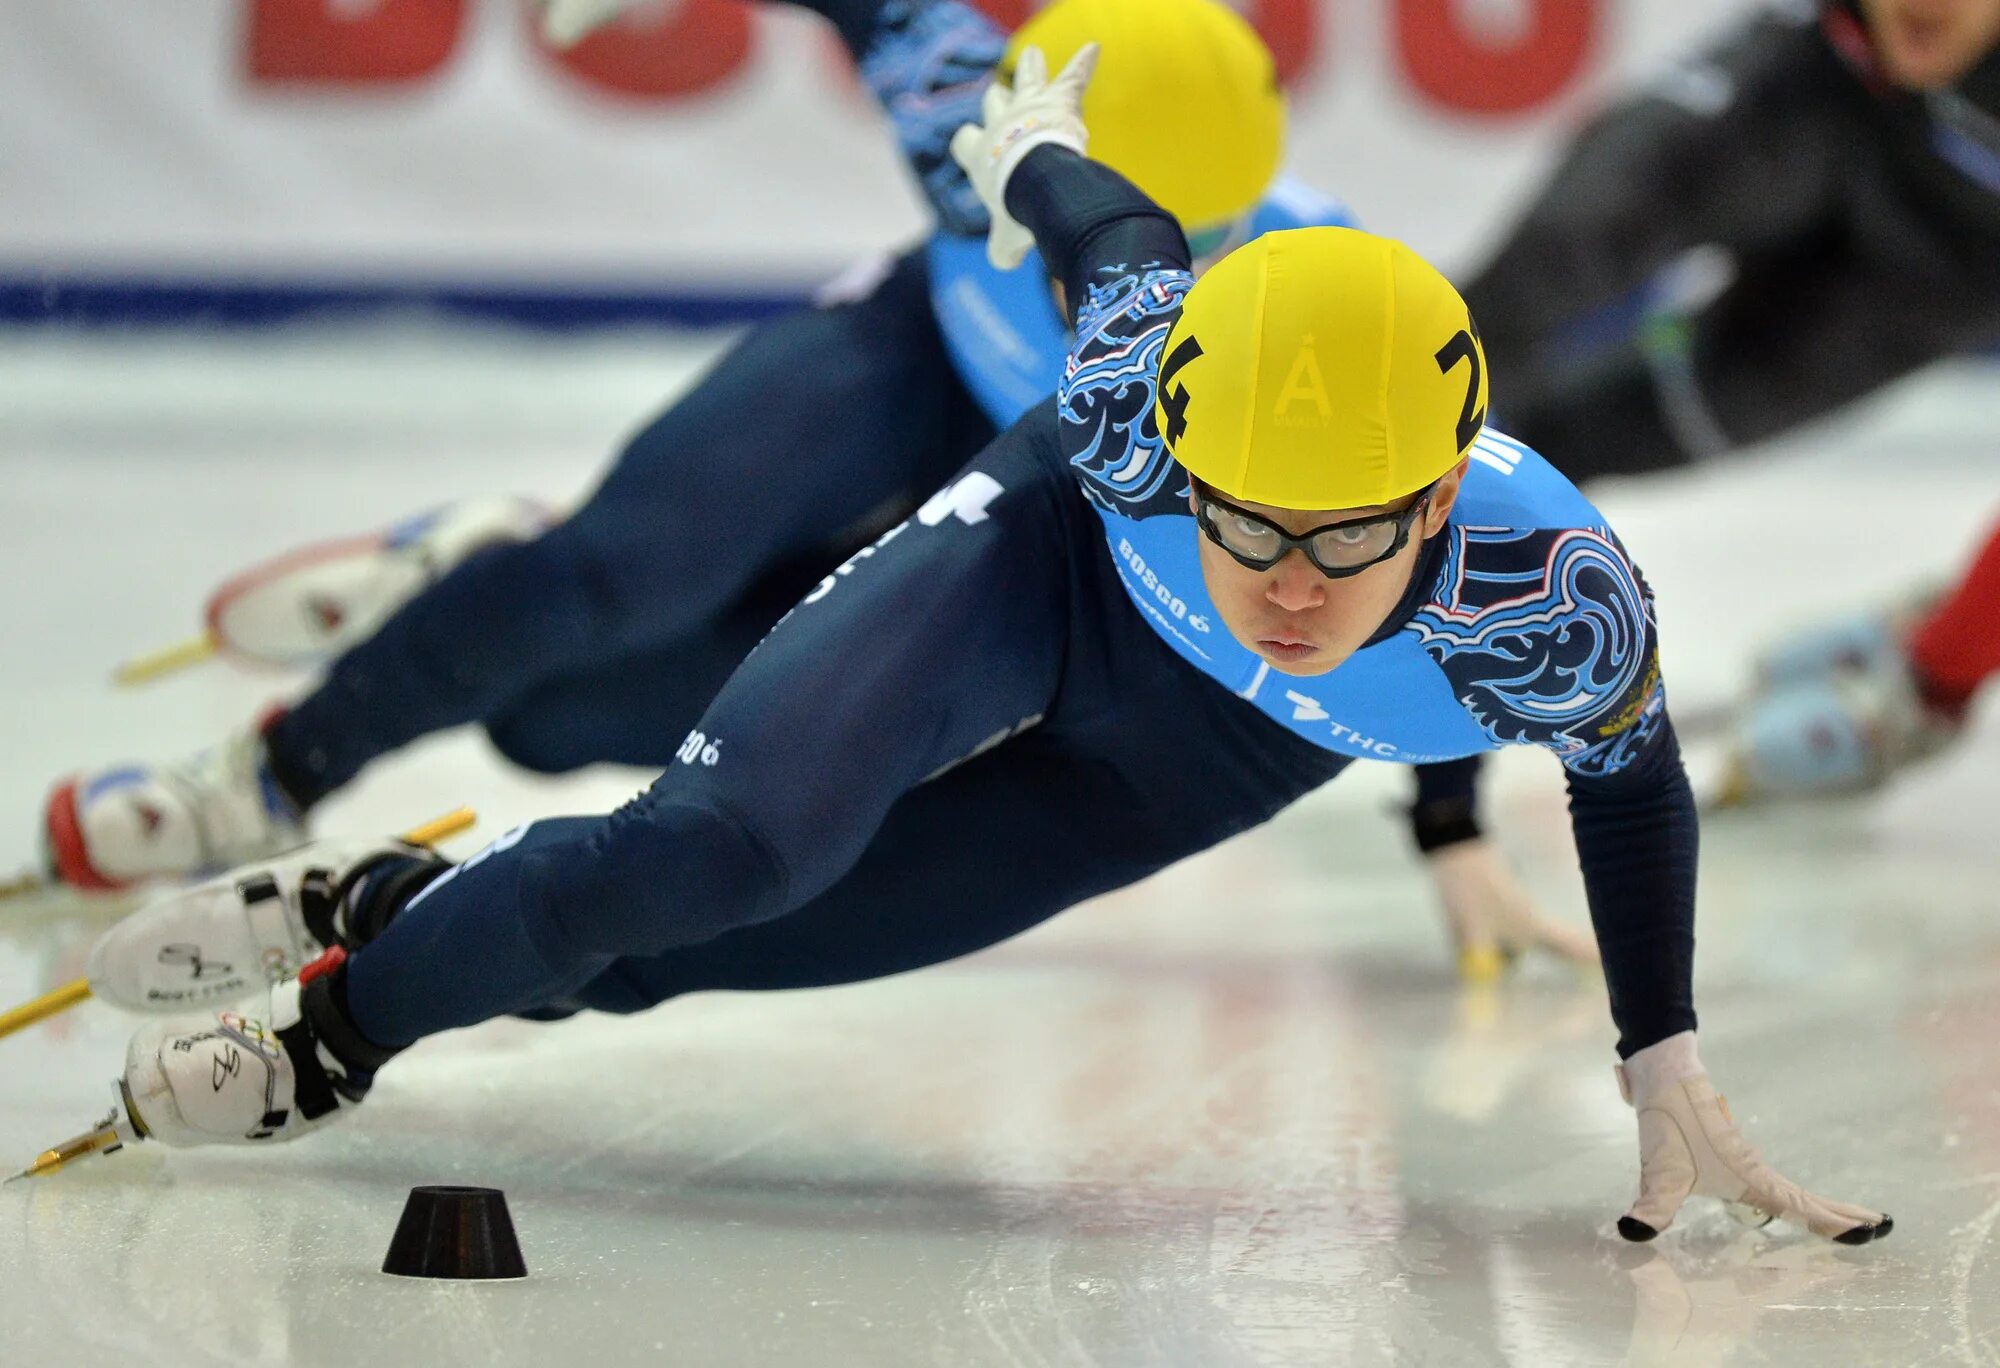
(703, 157)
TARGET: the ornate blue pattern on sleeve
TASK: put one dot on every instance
(1109, 383)
(928, 66)
(1550, 640)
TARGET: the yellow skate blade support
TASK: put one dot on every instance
(21, 885)
(453, 823)
(63, 998)
(165, 661)
(101, 1141)
(43, 1007)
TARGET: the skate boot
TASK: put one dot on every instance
(254, 927)
(312, 604)
(1845, 733)
(273, 1072)
(119, 826)
(1862, 643)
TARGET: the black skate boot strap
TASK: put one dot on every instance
(312, 1086)
(324, 1014)
(353, 911)
(375, 891)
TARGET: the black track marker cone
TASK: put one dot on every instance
(455, 1232)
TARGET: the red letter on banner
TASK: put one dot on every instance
(703, 44)
(1458, 71)
(1291, 27)
(332, 42)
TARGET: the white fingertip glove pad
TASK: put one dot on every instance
(1014, 122)
(1690, 1145)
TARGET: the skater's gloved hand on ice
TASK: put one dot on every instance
(1690, 1145)
(1492, 918)
(1014, 121)
(255, 926)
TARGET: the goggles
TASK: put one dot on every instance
(1337, 549)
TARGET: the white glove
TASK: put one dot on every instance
(1689, 1144)
(1014, 122)
(1493, 920)
(567, 22)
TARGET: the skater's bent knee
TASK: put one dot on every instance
(673, 873)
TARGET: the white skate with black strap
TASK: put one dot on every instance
(247, 931)
(270, 1072)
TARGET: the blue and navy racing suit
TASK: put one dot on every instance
(1021, 697)
(604, 639)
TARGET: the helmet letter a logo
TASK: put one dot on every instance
(1304, 383)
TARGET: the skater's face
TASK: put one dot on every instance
(1292, 614)
(1926, 44)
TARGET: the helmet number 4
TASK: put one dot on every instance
(1174, 398)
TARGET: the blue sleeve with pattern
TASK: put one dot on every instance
(1548, 638)
(1124, 267)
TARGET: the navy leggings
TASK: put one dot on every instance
(965, 730)
(604, 639)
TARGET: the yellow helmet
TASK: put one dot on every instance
(1321, 368)
(1185, 103)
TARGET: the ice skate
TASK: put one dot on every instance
(250, 929)
(129, 823)
(1863, 642)
(315, 602)
(308, 605)
(245, 1076)
(1845, 733)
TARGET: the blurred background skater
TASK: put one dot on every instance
(1778, 227)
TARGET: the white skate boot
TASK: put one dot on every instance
(1845, 733)
(119, 826)
(240, 1077)
(254, 927)
(313, 603)
(1860, 643)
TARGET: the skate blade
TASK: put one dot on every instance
(105, 1138)
(28, 883)
(165, 661)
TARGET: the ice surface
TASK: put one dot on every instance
(1238, 1115)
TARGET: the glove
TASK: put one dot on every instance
(565, 23)
(1689, 1144)
(1014, 122)
(1492, 918)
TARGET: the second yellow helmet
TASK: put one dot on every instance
(1185, 103)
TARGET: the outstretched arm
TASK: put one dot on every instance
(1575, 668)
